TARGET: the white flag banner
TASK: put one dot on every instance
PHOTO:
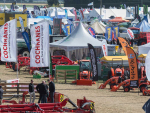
(90, 4)
(104, 48)
(130, 33)
(147, 65)
(39, 55)
(22, 25)
(8, 41)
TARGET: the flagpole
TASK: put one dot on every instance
(49, 66)
(17, 50)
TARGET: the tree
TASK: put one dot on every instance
(51, 2)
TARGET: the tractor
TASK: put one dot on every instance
(85, 69)
(142, 81)
(115, 75)
(140, 37)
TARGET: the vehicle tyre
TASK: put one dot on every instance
(126, 89)
(143, 87)
(14, 66)
(25, 53)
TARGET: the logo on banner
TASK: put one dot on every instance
(109, 33)
(130, 33)
(91, 31)
(24, 18)
(116, 32)
(130, 56)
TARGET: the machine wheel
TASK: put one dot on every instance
(143, 87)
(109, 74)
(126, 89)
(14, 66)
(142, 42)
(111, 86)
(25, 53)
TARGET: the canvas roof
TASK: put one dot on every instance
(99, 28)
(144, 26)
(78, 39)
(114, 58)
(118, 19)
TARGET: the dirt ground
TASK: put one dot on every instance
(105, 101)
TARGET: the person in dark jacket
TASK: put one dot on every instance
(31, 91)
(1, 95)
(51, 90)
(41, 88)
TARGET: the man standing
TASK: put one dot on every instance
(1, 95)
(41, 88)
(51, 90)
(31, 92)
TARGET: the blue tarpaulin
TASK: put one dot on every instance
(45, 17)
(144, 26)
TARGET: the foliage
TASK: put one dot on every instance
(52, 2)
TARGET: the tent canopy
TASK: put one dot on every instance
(78, 39)
(144, 26)
(118, 19)
(114, 58)
(99, 28)
(45, 17)
(144, 49)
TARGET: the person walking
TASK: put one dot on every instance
(51, 90)
(31, 92)
(1, 95)
(46, 91)
(41, 88)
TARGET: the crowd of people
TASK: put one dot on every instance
(44, 91)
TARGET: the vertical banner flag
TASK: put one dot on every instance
(147, 65)
(104, 48)
(130, 33)
(12, 7)
(56, 15)
(93, 62)
(24, 7)
(108, 33)
(8, 41)
(49, 13)
(91, 31)
(66, 14)
(75, 13)
(26, 38)
(116, 32)
(146, 106)
(57, 26)
(81, 14)
(39, 55)
(68, 29)
(42, 12)
(124, 44)
(63, 28)
(133, 67)
(22, 25)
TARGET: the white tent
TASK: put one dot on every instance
(106, 13)
(144, 49)
(78, 40)
(99, 28)
(31, 21)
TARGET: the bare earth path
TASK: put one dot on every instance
(105, 101)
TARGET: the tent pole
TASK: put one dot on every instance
(68, 54)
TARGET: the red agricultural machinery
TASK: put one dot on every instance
(115, 77)
(142, 81)
(140, 37)
(83, 106)
(25, 61)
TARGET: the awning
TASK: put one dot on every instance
(114, 58)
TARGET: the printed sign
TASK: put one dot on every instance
(133, 67)
(2, 18)
(91, 31)
(108, 33)
(57, 26)
(116, 32)
(12, 81)
(24, 18)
